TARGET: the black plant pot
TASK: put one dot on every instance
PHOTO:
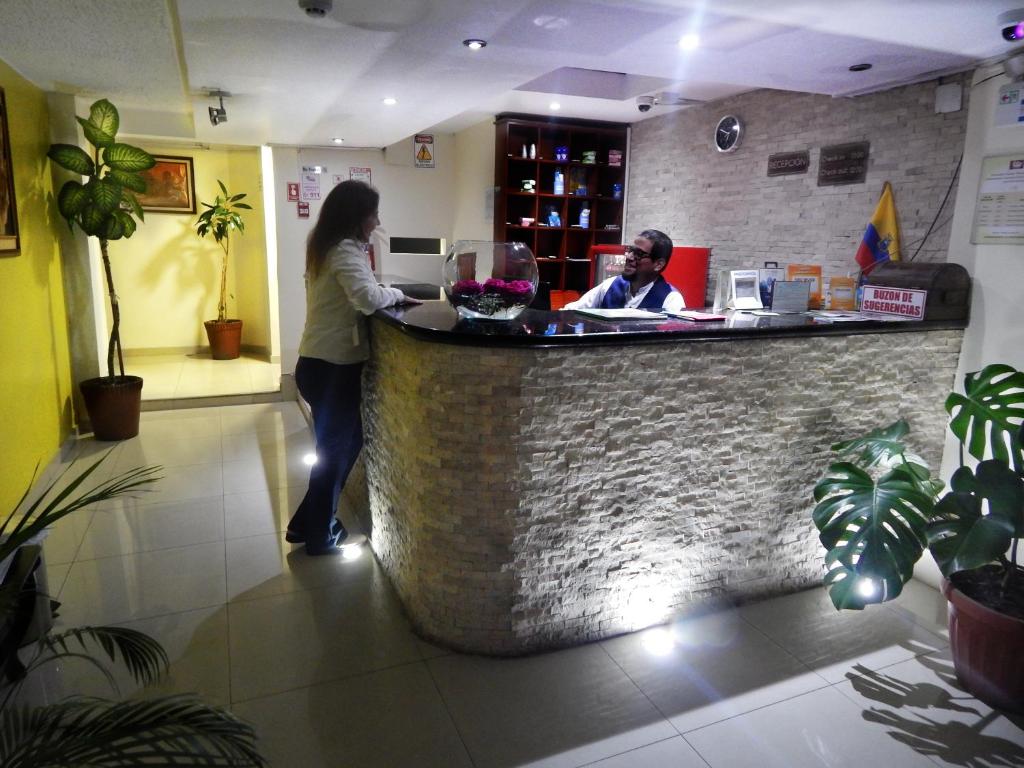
(114, 405)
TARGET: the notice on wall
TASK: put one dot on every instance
(999, 212)
(293, 191)
(423, 150)
(903, 302)
(843, 164)
(310, 181)
(302, 209)
(786, 163)
(336, 179)
(356, 173)
(1010, 106)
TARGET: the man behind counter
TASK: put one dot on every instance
(640, 286)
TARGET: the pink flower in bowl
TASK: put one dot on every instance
(518, 287)
(493, 285)
(467, 288)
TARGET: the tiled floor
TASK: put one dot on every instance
(174, 377)
(318, 654)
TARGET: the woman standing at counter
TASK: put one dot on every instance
(340, 291)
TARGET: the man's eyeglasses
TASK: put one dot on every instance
(637, 253)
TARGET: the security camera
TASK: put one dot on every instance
(1011, 25)
(219, 114)
(644, 103)
(316, 9)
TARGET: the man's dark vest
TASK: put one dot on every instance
(618, 294)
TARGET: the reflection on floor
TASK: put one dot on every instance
(173, 377)
(317, 653)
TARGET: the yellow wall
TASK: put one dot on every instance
(35, 372)
(168, 279)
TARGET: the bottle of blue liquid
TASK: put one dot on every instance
(559, 182)
(585, 217)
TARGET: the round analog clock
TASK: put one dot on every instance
(728, 133)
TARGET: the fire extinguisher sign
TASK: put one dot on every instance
(423, 150)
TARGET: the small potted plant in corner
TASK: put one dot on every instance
(219, 219)
(877, 511)
(103, 207)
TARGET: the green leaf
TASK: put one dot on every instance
(133, 204)
(72, 158)
(104, 118)
(246, 206)
(987, 418)
(94, 135)
(125, 157)
(144, 658)
(104, 194)
(233, 198)
(877, 446)
(91, 220)
(132, 181)
(872, 530)
(127, 222)
(962, 535)
(112, 228)
(222, 187)
(71, 199)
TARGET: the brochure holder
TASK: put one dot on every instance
(737, 289)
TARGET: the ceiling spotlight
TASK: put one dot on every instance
(337, 140)
(474, 44)
(390, 101)
(860, 67)
(316, 9)
(554, 106)
(219, 114)
(689, 42)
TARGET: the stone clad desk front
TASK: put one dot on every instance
(553, 480)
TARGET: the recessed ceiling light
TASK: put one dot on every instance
(474, 44)
(554, 106)
(337, 140)
(860, 67)
(390, 101)
(689, 42)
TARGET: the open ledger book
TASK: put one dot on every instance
(622, 314)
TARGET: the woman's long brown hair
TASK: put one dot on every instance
(342, 215)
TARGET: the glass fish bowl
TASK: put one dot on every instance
(485, 280)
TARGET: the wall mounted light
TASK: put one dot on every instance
(337, 140)
(219, 114)
(390, 100)
(474, 43)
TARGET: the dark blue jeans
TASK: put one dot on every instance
(334, 394)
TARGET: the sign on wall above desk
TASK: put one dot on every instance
(786, 163)
(843, 164)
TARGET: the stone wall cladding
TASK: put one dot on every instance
(528, 499)
(680, 184)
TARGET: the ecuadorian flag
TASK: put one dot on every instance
(881, 241)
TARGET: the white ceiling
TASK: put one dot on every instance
(296, 80)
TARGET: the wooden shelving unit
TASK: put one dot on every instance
(561, 251)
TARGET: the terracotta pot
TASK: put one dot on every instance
(113, 405)
(225, 338)
(987, 651)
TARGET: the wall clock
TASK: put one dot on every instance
(728, 133)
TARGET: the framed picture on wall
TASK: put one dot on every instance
(170, 186)
(9, 243)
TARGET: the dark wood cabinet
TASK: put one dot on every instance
(528, 156)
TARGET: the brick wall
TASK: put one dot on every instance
(520, 500)
(679, 183)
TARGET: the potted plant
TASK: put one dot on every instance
(103, 207)
(877, 511)
(169, 730)
(220, 218)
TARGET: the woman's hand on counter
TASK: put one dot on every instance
(408, 301)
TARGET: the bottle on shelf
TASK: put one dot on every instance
(524, 150)
(585, 217)
(533, 151)
(559, 182)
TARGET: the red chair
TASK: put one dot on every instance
(687, 270)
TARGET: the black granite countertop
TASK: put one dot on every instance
(437, 321)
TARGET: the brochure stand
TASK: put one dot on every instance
(737, 289)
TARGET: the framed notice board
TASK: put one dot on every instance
(999, 209)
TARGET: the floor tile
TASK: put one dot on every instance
(65, 537)
(183, 483)
(924, 605)
(821, 728)
(118, 589)
(388, 719)
(270, 471)
(919, 702)
(261, 417)
(295, 441)
(565, 708)
(261, 566)
(831, 642)
(152, 527)
(315, 636)
(673, 752)
(193, 424)
(55, 577)
(702, 670)
(168, 449)
(256, 512)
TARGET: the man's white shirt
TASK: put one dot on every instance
(593, 298)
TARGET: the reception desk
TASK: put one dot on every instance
(556, 479)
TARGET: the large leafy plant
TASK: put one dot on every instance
(220, 218)
(170, 730)
(878, 510)
(104, 206)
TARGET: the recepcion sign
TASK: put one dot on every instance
(843, 164)
(785, 163)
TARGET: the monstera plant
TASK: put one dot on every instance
(879, 509)
(170, 730)
(220, 219)
(103, 206)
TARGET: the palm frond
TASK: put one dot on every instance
(143, 657)
(173, 730)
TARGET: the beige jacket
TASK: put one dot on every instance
(337, 303)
